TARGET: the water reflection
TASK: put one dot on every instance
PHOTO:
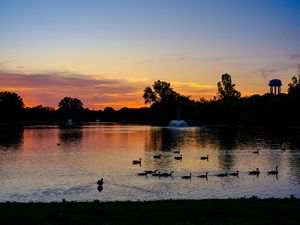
(11, 137)
(227, 144)
(70, 135)
(165, 139)
(41, 171)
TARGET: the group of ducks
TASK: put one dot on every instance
(233, 174)
(177, 157)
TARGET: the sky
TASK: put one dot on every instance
(105, 52)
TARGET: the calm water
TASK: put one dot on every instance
(34, 168)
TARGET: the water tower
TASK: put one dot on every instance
(275, 86)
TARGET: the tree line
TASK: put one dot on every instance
(227, 107)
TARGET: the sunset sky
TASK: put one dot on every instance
(105, 52)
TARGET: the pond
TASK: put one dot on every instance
(50, 162)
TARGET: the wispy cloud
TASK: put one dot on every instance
(294, 56)
(49, 88)
(267, 72)
(94, 91)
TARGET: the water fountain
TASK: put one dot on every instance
(178, 123)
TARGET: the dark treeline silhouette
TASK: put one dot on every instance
(228, 107)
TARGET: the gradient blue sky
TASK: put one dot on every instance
(105, 52)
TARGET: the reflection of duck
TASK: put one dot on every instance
(151, 171)
(178, 157)
(100, 182)
(137, 161)
(256, 152)
(204, 157)
(234, 174)
(100, 188)
(187, 177)
(157, 156)
(222, 175)
(273, 172)
(203, 175)
(166, 174)
(254, 172)
(177, 152)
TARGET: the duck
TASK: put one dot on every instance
(142, 174)
(137, 161)
(58, 143)
(178, 157)
(254, 172)
(204, 157)
(156, 174)
(100, 182)
(177, 152)
(273, 172)
(222, 175)
(256, 152)
(204, 175)
(157, 156)
(187, 177)
(166, 174)
(150, 171)
(234, 174)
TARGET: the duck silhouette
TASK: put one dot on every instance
(203, 175)
(137, 161)
(273, 172)
(254, 172)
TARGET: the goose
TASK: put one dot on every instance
(177, 152)
(256, 152)
(273, 172)
(187, 177)
(137, 161)
(100, 182)
(222, 175)
(254, 172)
(142, 174)
(157, 156)
(204, 157)
(203, 175)
(150, 171)
(234, 174)
(156, 174)
(166, 174)
(178, 157)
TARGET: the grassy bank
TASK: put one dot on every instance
(230, 211)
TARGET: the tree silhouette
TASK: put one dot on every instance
(70, 104)
(11, 105)
(70, 107)
(161, 91)
(226, 89)
(294, 86)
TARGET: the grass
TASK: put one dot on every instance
(229, 211)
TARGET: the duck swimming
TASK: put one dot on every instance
(254, 172)
(204, 157)
(137, 161)
(273, 172)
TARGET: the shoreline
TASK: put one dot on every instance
(209, 211)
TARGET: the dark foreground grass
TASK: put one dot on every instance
(229, 211)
